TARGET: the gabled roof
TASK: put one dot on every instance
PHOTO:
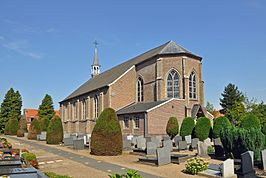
(140, 107)
(106, 78)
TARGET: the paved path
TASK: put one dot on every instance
(90, 162)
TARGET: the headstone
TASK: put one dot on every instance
(227, 168)
(148, 139)
(159, 137)
(188, 139)
(163, 156)
(263, 158)
(151, 148)
(157, 141)
(43, 136)
(218, 147)
(38, 137)
(247, 167)
(141, 143)
(66, 135)
(126, 144)
(194, 143)
(129, 137)
(177, 139)
(85, 139)
(208, 141)
(78, 144)
(168, 144)
(166, 137)
(68, 141)
(182, 145)
(134, 141)
(202, 149)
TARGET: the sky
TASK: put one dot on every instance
(46, 46)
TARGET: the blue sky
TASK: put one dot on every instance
(46, 46)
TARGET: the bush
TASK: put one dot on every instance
(11, 127)
(250, 121)
(202, 128)
(55, 131)
(210, 150)
(23, 124)
(264, 128)
(44, 122)
(238, 140)
(28, 157)
(20, 133)
(129, 174)
(106, 138)
(34, 129)
(187, 126)
(172, 127)
(218, 124)
(195, 165)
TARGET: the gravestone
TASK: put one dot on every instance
(129, 137)
(126, 144)
(66, 135)
(141, 143)
(194, 143)
(208, 142)
(247, 165)
(78, 144)
(68, 141)
(163, 156)
(218, 147)
(85, 139)
(188, 139)
(168, 144)
(159, 137)
(177, 139)
(202, 149)
(43, 136)
(263, 158)
(166, 137)
(182, 145)
(151, 148)
(157, 141)
(227, 168)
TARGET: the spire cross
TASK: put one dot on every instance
(95, 43)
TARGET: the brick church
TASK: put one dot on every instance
(145, 91)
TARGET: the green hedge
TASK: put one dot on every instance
(202, 128)
(239, 140)
(106, 138)
(250, 121)
(44, 122)
(218, 124)
(55, 131)
(187, 126)
(172, 127)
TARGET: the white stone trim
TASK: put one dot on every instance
(121, 76)
(167, 101)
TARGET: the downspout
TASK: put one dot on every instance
(145, 125)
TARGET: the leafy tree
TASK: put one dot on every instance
(10, 107)
(55, 131)
(209, 107)
(250, 121)
(46, 112)
(230, 96)
(203, 128)
(236, 113)
(219, 124)
(106, 137)
(259, 110)
(187, 126)
(172, 127)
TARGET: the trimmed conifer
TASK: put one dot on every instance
(187, 126)
(172, 128)
(203, 128)
(34, 130)
(46, 112)
(55, 131)
(219, 124)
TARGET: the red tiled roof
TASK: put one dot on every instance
(32, 113)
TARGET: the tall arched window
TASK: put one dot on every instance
(140, 89)
(96, 106)
(192, 86)
(173, 89)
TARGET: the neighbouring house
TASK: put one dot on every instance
(145, 91)
(30, 114)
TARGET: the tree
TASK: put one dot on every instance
(230, 96)
(219, 124)
(236, 113)
(250, 121)
(55, 131)
(172, 127)
(34, 130)
(259, 110)
(10, 107)
(11, 127)
(106, 137)
(46, 112)
(209, 107)
(187, 126)
(203, 128)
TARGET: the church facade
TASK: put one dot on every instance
(144, 91)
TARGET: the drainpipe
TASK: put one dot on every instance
(145, 125)
(183, 77)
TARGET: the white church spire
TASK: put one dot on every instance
(95, 67)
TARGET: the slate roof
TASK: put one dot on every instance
(107, 77)
(140, 107)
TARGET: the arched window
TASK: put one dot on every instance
(96, 106)
(140, 90)
(192, 86)
(173, 90)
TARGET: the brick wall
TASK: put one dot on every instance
(132, 129)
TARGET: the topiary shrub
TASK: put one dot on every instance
(44, 122)
(23, 124)
(187, 126)
(250, 121)
(34, 130)
(11, 127)
(55, 131)
(20, 133)
(218, 124)
(106, 138)
(202, 128)
(172, 127)
(238, 140)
